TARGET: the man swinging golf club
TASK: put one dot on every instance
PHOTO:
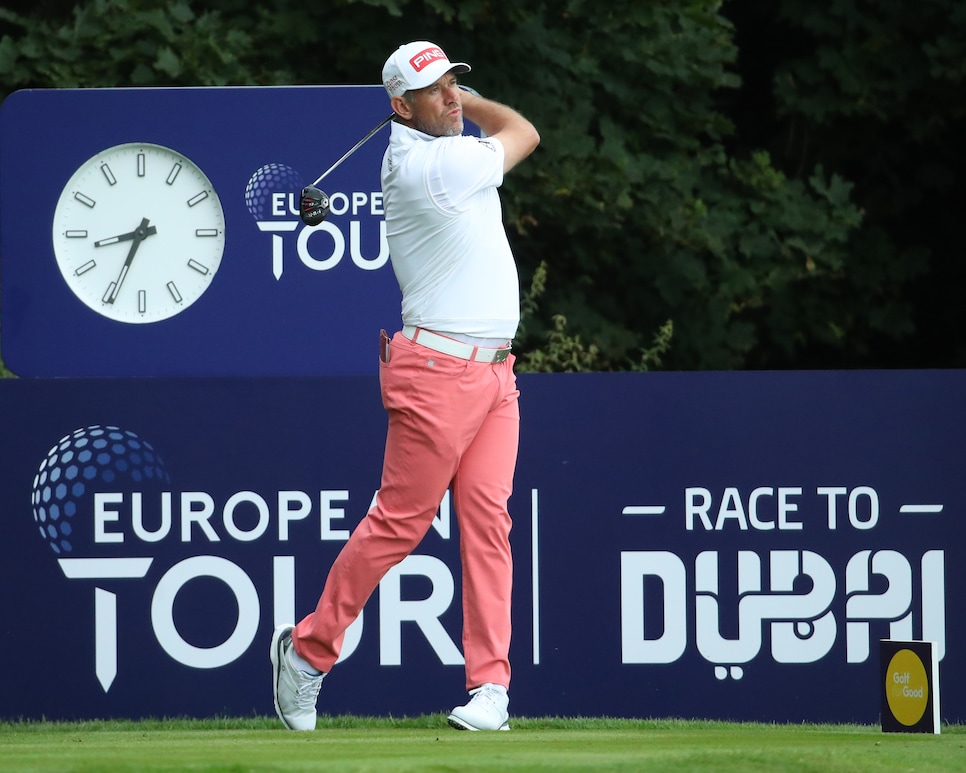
(447, 384)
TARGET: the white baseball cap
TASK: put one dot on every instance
(417, 65)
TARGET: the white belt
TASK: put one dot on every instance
(447, 345)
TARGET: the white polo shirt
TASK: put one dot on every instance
(447, 243)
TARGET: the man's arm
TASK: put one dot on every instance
(518, 136)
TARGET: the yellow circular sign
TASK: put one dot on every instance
(907, 687)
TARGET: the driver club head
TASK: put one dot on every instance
(314, 205)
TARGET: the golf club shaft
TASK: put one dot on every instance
(355, 147)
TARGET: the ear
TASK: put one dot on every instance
(401, 107)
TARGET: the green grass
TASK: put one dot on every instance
(428, 744)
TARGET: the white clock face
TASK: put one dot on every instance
(138, 233)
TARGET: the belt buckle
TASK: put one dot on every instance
(501, 355)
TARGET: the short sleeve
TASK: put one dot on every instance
(464, 166)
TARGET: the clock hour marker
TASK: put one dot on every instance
(76, 234)
(173, 174)
(198, 198)
(172, 288)
(140, 165)
(206, 232)
(84, 268)
(142, 301)
(199, 267)
(85, 200)
(109, 293)
(108, 174)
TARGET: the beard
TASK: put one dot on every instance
(441, 127)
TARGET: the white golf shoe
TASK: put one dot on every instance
(296, 692)
(486, 710)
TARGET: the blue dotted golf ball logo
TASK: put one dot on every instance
(88, 460)
(268, 180)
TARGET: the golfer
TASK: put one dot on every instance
(447, 384)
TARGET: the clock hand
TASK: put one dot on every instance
(139, 235)
(123, 237)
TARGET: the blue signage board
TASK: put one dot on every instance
(227, 280)
(703, 545)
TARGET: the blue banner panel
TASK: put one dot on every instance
(709, 545)
(226, 280)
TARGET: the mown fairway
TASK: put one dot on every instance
(428, 744)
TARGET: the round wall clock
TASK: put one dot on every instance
(138, 233)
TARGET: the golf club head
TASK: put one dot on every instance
(314, 205)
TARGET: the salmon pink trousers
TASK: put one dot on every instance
(453, 423)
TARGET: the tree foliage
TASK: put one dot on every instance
(716, 186)
(873, 91)
(108, 43)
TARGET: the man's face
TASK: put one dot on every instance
(437, 109)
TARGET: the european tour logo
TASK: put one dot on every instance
(103, 503)
(355, 231)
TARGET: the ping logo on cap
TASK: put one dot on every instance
(426, 57)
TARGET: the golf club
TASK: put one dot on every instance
(314, 206)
